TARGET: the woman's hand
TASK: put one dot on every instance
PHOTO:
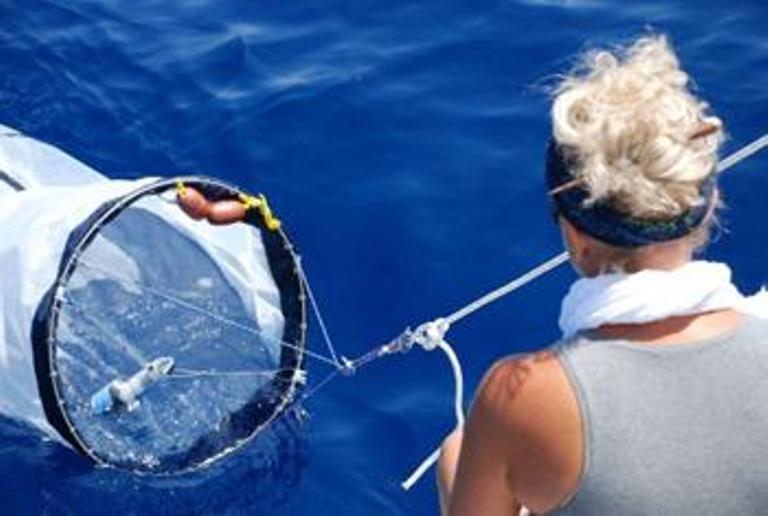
(223, 212)
(193, 203)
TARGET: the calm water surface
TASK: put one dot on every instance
(401, 142)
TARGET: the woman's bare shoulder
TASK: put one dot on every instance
(524, 381)
(530, 400)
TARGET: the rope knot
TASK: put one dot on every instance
(430, 334)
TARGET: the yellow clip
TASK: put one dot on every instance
(260, 202)
(181, 188)
(249, 201)
(272, 222)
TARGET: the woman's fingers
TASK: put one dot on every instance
(194, 204)
(226, 212)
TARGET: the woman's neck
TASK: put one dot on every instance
(674, 330)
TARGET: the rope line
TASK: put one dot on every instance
(317, 312)
(508, 288)
(726, 163)
(538, 271)
(322, 383)
(208, 313)
(403, 342)
(202, 373)
(743, 153)
(458, 407)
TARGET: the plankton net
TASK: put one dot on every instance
(129, 331)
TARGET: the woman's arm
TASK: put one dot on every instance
(473, 474)
(522, 442)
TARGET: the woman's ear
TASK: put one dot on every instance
(577, 245)
(572, 237)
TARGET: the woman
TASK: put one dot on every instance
(650, 403)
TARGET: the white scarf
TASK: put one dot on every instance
(651, 295)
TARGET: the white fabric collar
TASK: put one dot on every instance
(651, 295)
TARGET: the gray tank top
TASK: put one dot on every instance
(679, 429)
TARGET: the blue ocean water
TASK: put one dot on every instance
(401, 143)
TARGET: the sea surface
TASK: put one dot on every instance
(402, 144)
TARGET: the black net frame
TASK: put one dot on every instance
(269, 402)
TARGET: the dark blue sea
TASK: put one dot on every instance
(402, 144)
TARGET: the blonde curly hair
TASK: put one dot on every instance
(643, 141)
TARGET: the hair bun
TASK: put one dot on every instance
(644, 142)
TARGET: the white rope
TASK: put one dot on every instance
(743, 153)
(508, 288)
(422, 468)
(180, 373)
(207, 313)
(458, 406)
(726, 163)
(234, 324)
(440, 325)
(317, 312)
(443, 324)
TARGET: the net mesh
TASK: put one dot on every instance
(145, 288)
